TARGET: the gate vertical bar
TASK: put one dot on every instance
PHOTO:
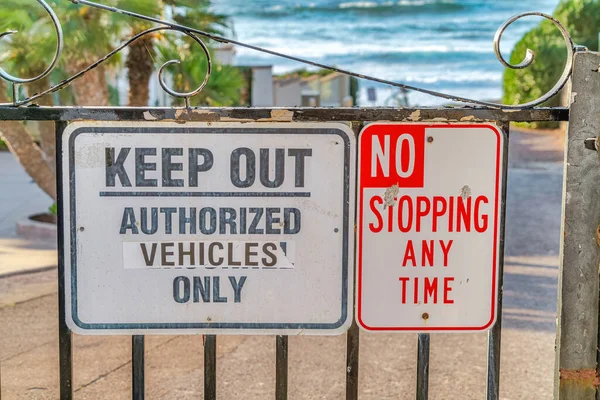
(353, 334)
(210, 367)
(423, 366)
(137, 367)
(65, 354)
(577, 330)
(494, 335)
(281, 368)
(352, 353)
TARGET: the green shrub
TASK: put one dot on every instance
(582, 20)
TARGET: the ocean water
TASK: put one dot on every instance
(443, 45)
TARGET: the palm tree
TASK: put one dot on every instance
(140, 60)
(225, 85)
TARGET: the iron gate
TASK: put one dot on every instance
(574, 370)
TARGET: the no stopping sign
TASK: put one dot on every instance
(429, 215)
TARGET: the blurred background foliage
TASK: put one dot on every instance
(582, 20)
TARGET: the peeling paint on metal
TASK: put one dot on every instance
(149, 117)
(415, 116)
(468, 118)
(573, 97)
(279, 116)
(465, 192)
(389, 198)
(196, 115)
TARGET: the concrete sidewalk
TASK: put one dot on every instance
(20, 197)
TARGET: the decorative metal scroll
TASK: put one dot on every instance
(195, 33)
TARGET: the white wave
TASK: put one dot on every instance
(275, 8)
(330, 49)
(364, 4)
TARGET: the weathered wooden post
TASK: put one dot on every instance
(577, 328)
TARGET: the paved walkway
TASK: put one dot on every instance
(19, 198)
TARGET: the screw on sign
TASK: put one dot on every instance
(429, 203)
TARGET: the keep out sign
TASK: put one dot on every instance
(208, 227)
(429, 204)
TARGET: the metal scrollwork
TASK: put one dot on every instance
(192, 93)
(59, 48)
(195, 33)
(530, 55)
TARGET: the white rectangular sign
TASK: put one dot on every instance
(238, 228)
(429, 206)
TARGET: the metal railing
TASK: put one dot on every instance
(482, 112)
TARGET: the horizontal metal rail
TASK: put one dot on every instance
(462, 114)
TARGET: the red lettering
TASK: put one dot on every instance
(416, 292)
(423, 208)
(390, 218)
(446, 250)
(401, 213)
(437, 211)
(451, 215)
(447, 289)
(463, 214)
(431, 289)
(427, 253)
(403, 279)
(484, 218)
(375, 211)
(409, 254)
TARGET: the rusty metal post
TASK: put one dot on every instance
(577, 327)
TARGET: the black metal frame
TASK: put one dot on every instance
(358, 117)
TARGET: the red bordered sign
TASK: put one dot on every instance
(429, 215)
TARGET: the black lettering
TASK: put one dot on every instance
(201, 290)
(270, 254)
(250, 167)
(265, 168)
(288, 229)
(249, 253)
(191, 253)
(216, 289)
(227, 220)
(299, 155)
(230, 259)
(168, 167)
(201, 254)
(243, 220)
(271, 220)
(128, 222)
(164, 253)
(116, 167)
(237, 287)
(154, 223)
(211, 250)
(141, 166)
(177, 295)
(254, 230)
(183, 220)
(168, 211)
(195, 168)
(212, 219)
(148, 260)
